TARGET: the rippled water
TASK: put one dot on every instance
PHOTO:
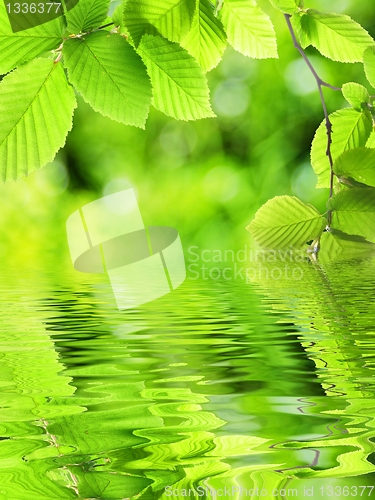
(226, 388)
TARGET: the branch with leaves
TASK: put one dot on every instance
(148, 52)
(320, 83)
(157, 52)
(342, 153)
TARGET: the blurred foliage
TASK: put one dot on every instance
(205, 178)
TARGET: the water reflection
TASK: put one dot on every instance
(336, 318)
(219, 385)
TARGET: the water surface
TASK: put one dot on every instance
(257, 388)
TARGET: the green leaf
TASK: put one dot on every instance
(358, 164)
(180, 86)
(110, 75)
(369, 64)
(249, 29)
(206, 40)
(336, 36)
(118, 18)
(302, 37)
(171, 18)
(371, 140)
(36, 108)
(354, 212)
(285, 221)
(86, 15)
(22, 46)
(355, 94)
(286, 6)
(337, 245)
(350, 128)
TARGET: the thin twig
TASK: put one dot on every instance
(320, 83)
(105, 26)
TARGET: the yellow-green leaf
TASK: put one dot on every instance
(285, 221)
(110, 75)
(354, 212)
(206, 40)
(350, 129)
(36, 109)
(180, 86)
(249, 29)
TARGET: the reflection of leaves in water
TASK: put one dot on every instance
(167, 434)
(336, 245)
(108, 484)
(330, 305)
(141, 416)
(30, 373)
(180, 448)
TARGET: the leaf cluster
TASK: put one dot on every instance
(146, 52)
(342, 152)
(157, 53)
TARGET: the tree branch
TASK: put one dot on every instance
(105, 26)
(320, 83)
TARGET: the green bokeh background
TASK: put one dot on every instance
(205, 178)
(252, 350)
